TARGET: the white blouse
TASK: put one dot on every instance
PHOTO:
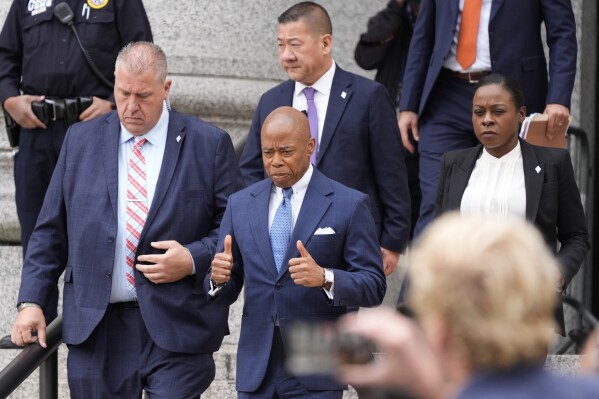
(496, 186)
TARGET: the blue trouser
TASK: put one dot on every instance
(119, 360)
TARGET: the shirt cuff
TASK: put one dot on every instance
(193, 265)
(214, 290)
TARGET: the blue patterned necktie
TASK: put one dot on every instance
(280, 231)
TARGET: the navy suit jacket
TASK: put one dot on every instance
(76, 230)
(553, 201)
(360, 147)
(529, 382)
(516, 49)
(352, 252)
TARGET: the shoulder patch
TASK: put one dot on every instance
(97, 4)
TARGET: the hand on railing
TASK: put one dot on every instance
(29, 327)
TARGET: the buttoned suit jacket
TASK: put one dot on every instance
(516, 48)
(553, 201)
(77, 228)
(352, 252)
(360, 148)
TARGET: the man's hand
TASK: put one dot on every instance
(30, 320)
(304, 270)
(408, 361)
(98, 108)
(223, 263)
(171, 266)
(390, 260)
(408, 121)
(558, 119)
(19, 107)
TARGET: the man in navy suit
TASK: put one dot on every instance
(440, 78)
(131, 217)
(353, 122)
(327, 262)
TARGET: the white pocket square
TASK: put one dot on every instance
(321, 231)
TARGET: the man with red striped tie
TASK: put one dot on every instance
(131, 217)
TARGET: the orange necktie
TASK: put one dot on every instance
(466, 52)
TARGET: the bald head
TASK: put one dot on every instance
(286, 146)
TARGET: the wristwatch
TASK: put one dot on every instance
(217, 285)
(328, 279)
(24, 305)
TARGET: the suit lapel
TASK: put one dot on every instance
(495, 6)
(460, 175)
(110, 155)
(534, 173)
(337, 103)
(285, 97)
(172, 150)
(314, 206)
(258, 211)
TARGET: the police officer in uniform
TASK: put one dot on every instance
(46, 84)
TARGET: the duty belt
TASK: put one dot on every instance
(66, 109)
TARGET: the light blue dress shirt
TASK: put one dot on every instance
(153, 152)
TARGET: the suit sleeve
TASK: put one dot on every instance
(362, 282)
(419, 56)
(390, 172)
(571, 223)
(47, 252)
(373, 45)
(11, 53)
(250, 163)
(132, 22)
(561, 39)
(229, 293)
(227, 180)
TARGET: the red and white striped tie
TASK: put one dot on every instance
(137, 207)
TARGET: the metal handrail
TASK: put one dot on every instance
(30, 358)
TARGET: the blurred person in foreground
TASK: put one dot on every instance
(506, 177)
(483, 293)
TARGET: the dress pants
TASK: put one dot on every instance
(279, 384)
(119, 360)
(445, 124)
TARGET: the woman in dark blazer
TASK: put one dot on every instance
(506, 177)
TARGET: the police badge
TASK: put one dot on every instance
(97, 4)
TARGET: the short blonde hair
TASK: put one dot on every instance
(139, 57)
(491, 283)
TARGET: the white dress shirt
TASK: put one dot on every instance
(496, 186)
(153, 152)
(483, 48)
(322, 92)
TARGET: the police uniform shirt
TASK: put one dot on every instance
(36, 46)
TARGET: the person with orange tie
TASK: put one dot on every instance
(131, 217)
(352, 119)
(457, 42)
